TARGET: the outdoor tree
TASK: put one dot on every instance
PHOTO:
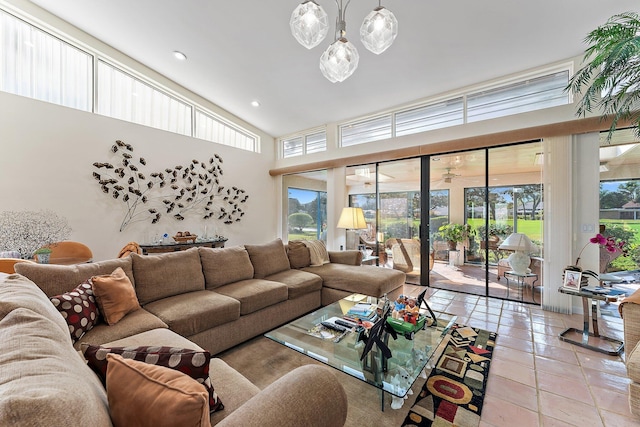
(300, 220)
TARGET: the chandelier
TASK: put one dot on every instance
(309, 26)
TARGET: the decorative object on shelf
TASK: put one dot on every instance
(352, 219)
(309, 26)
(26, 231)
(42, 255)
(184, 237)
(609, 79)
(176, 191)
(522, 246)
(454, 234)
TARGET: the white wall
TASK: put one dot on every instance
(47, 152)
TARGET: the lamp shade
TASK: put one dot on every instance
(379, 29)
(352, 219)
(339, 61)
(309, 24)
(522, 245)
(518, 242)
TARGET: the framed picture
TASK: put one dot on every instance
(572, 280)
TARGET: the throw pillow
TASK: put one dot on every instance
(298, 254)
(267, 259)
(79, 309)
(318, 252)
(115, 295)
(140, 394)
(194, 363)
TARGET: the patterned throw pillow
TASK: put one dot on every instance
(194, 363)
(79, 309)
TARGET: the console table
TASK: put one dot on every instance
(600, 343)
(174, 247)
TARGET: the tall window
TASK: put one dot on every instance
(40, 66)
(307, 218)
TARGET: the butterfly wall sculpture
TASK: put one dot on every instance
(183, 189)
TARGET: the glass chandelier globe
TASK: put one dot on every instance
(339, 61)
(309, 24)
(379, 29)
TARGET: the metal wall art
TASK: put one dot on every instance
(178, 191)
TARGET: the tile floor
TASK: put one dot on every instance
(536, 379)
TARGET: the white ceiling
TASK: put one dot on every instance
(242, 50)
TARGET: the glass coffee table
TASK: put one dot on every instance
(343, 350)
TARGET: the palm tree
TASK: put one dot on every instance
(611, 76)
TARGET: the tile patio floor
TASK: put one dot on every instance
(536, 379)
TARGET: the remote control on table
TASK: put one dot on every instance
(345, 323)
(334, 326)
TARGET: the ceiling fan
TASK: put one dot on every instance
(448, 176)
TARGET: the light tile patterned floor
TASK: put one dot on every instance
(536, 379)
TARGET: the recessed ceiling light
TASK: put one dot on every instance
(255, 103)
(179, 55)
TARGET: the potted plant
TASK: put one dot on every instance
(42, 255)
(609, 79)
(454, 234)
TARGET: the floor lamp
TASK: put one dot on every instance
(352, 219)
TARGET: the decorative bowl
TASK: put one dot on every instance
(185, 239)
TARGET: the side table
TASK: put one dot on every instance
(174, 247)
(600, 343)
(370, 260)
(521, 282)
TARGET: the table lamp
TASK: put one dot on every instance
(521, 245)
(352, 219)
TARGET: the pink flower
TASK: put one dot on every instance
(608, 243)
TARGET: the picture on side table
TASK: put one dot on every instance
(572, 280)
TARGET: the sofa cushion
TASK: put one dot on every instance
(255, 294)
(192, 362)
(58, 279)
(317, 252)
(298, 282)
(365, 279)
(168, 274)
(298, 254)
(115, 295)
(267, 259)
(79, 309)
(225, 265)
(146, 395)
(43, 380)
(19, 292)
(133, 323)
(193, 312)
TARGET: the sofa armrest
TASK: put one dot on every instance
(630, 312)
(350, 257)
(310, 396)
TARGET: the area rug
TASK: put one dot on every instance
(454, 391)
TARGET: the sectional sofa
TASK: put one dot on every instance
(202, 298)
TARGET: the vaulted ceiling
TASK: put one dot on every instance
(242, 50)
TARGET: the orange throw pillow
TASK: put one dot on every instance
(115, 295)
(142, 395)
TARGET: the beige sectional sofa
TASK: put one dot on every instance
(202, 298)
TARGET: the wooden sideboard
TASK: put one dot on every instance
(174, 247)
